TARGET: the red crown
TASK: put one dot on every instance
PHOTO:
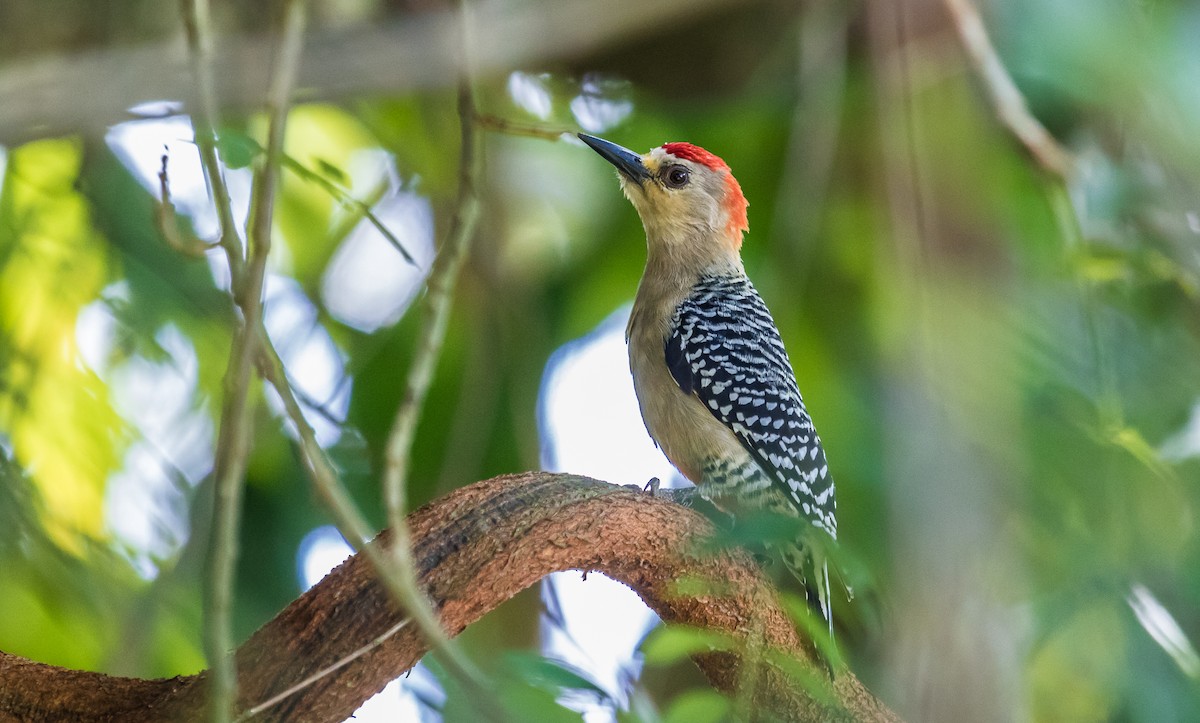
(735, 202)
(689, 152)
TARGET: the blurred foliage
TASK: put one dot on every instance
(54, 262)
(1005, 369)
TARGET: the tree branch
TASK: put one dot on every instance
(204, 124)
(1005, 96)
(233, 444)
(474, 549)
(439, 296)
(91, 90)
(348, 519)
(496, 124)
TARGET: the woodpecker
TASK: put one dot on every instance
(713, 380)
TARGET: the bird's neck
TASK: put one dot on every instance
(673, 267)
(681, 255)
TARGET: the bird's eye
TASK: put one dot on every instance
(678, 177)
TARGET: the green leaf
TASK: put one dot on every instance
(670, 644)
(699, 706)
(753, 528)
(812, 681)
(814, 627)
(237, 149)
(526, 703)
(332, 171)
(551, 675)
(1132, 441)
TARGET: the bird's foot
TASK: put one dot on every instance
(678, 495)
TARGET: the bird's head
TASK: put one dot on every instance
(686, 196)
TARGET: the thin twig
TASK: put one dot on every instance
(233, 438)
(347, 518)
(1005, 96)
(1013, 112)
(436, 312)
(323, 672)
(343, 197)
(199, 38)
(236, 418)
(233, 447)
(436, 309)
(349, 521)
(401, 583)
(321, 408)
(515, 128)
(399, 578)
(168, 220)
(359, 208)
(339, 194)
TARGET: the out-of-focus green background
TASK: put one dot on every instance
(1005, 369)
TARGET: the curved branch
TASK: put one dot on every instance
(1006, 98)
(474, 549)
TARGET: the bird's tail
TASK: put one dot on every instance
(810, 565)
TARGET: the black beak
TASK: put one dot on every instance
(627, 162)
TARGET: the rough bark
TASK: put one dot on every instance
(474, 548)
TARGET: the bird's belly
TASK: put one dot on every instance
(688, 434)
